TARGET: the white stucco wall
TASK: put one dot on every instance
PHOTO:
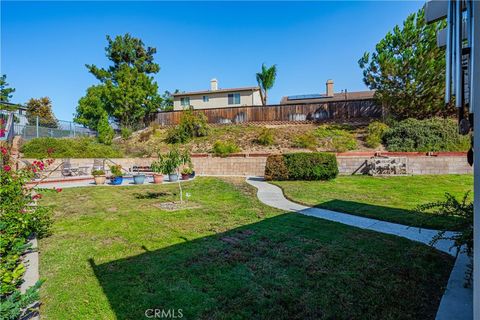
(219, 100)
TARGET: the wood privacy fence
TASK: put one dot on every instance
(329, 111)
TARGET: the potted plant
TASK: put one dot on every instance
(117, 175)
(186, 172)
(139, 178)
(158, 169)
(99, 176)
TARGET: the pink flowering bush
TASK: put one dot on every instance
(20, 219)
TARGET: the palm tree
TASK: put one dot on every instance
(265, 80)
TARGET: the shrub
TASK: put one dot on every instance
(125, 133)
(335, 138)
(434, 134)
(224, 148)
(463, 211)
(105, 131)
(84, 147)
(19, 220)
(275, 169)
(375, 132)
(301, 166)
(305, 141)
(191, 125)
(266, 137)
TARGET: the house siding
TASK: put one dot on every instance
(219, 100)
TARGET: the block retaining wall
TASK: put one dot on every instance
(254, 164)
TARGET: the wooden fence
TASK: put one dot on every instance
(330, 111)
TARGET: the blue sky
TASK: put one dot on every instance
(45, 45)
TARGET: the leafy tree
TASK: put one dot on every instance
(90, 107)
(41, 108)
(127, 92)
(5, 92)
(266, 80)
(407, 70)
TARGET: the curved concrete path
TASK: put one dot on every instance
(457, 301)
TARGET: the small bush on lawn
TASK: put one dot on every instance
(375, 132)
(434, 134)
(84, 147)
(335, 138)
(301, 166)
(266, 137)
(224, 148)
(191, 125)
(305, 141)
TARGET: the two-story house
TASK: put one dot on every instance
(217, 98)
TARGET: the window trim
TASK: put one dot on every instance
(182, 99)
(233, 96)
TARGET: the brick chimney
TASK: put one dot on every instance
(213, 84)
(329, 88)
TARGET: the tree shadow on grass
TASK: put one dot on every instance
(153, 195)
(286, 267)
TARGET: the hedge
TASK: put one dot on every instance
(301, 166)
(83, 147)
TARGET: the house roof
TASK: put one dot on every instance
(319, 98)
(191, 93)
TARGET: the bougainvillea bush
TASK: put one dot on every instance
(20, 219)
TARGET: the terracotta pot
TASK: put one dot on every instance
(185, 176)
(100, 179)
(157, 178)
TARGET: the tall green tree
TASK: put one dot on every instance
(266, 80)
(127, 91)
(407, 70)
(41, 108)
(5, 91)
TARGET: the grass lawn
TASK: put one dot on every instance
(385, 198)
(114, 253)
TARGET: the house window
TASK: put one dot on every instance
(205, 99)
(185, 102)
(234, 98)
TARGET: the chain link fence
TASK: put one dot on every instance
(33, 128)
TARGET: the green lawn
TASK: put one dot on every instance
(386, 198)
(113, 254)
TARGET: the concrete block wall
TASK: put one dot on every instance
(254, 164)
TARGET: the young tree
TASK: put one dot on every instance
(167, 100)
(41, 108)
(127, 92)
(105, 131)
(407, 70)
(266, 80)
(5, 91)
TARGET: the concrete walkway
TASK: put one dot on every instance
(457, 301)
